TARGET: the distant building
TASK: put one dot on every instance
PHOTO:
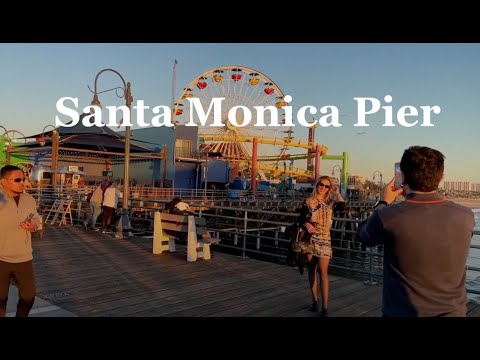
(455, 185)
(151, 173)
(356, 180)
(184, 168)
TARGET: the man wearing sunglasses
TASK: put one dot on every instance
(18, 219)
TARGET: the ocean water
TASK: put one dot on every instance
(473, 277)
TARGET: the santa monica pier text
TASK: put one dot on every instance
(240, 116)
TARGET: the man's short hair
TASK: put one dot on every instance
(422, 168)
(7, 169)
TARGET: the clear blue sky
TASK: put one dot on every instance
(35, 76)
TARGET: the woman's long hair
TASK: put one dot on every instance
(312, 200)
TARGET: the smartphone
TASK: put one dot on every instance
(398, 176)
(27, 219)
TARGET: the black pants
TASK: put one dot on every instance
(107, 216)
(24, 277)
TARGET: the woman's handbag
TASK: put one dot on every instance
(299, 243)
(303, 242)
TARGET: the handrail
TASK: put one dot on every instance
(257, 233)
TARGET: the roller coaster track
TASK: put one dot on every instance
(269, 140)
(275, 170)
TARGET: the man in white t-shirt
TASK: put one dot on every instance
(110, 201)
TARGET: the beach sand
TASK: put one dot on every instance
(470, 203)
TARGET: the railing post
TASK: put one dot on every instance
(244, 246)
(370, 270)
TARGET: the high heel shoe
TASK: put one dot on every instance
(313, 307)
(324, 312)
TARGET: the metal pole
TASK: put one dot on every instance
(165, 159)
(174, 115)
(344, 173)
(381, 180)
(124, 223)
(254, 165)
(206, 175)
(244, 245)
(126, 168)
(54, 163)
(318, 150)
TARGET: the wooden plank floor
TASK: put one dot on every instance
(90, 274)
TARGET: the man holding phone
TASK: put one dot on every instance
(18, 219)
(426, 241)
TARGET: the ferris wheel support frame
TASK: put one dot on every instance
(254, 164)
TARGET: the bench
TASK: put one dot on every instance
(198, 238)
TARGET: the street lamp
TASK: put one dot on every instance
(376, 172)
(124, 222)
(339, 168)
(8, 141)
(205, 177)
(42, 139)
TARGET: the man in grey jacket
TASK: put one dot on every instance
(18, 218)
(426, 241)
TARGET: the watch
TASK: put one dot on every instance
(380, 202)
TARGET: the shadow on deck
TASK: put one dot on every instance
(88, 274)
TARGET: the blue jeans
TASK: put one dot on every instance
(94, 212)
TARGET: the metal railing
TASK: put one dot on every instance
(257, 233)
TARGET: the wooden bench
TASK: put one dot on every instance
(198, 238)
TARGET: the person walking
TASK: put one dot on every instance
(18, 219)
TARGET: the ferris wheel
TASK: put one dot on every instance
(240, 86)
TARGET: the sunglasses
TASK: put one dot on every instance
(17, 180)
(324, 185)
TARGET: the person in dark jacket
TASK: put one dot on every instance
(426, 241)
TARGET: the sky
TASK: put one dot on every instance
(35, 76)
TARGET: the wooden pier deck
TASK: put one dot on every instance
(95, 275)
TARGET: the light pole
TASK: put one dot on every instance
(8, 140)
(376, 172)
(205, 177)
(124, 222)
(42, 139)
(339, 168)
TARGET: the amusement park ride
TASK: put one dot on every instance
(262, 150)
(8, 140)
(256, 152)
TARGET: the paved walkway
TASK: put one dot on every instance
(41, 308)
(94, 275)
